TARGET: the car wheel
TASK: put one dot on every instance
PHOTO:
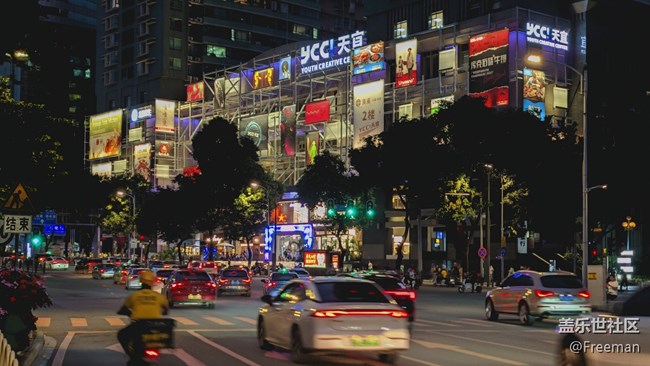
(490, 313)
(298, 352)
(568, 355)
(261, 336)
(461, 289)
(389, 358)
(524, 314)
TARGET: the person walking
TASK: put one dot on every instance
(490, 276)
(612, 288)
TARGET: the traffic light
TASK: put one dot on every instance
(331, 210)
(350, 210)
(370, 210)
(36, 240)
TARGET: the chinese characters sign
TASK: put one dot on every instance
(316, 259)
(330, 53)
(488, 64)
(547, 36)
(17, 224)
(142, 160)
(368, 111)
(164, 115)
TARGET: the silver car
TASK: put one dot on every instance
(531, 295)
(133, 278)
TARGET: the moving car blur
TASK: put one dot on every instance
(133, 278)
(190, 287)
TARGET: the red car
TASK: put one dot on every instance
(190, 286)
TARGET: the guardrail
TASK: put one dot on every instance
(7, 355)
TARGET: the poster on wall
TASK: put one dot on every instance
(194, 91)
(312, 140)
(368, 58)
(263, 78)
(488, 65)
(164, 149)
(317, 111)
(103, 170)
(220, 92)
(288, 130)
(256, 128)
(406, 63)
(285, 69)
(534, 90)
(368, 111)
(165, 116)
(105, 135)
(315, 258)
(142, 161)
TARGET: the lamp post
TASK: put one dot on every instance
(628, 225)
(268, 223)
(488, 168)
(129, 193)
(585, 190)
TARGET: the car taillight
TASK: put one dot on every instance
(101, 271)
(271, 284)
(402, 293)
(151, 353)
(133, 277)
(211, 284)
(246, 280)
(223, 280)
(177, 284)
(543, 293)
(338, 313)
(584, 294)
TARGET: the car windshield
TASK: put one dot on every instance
(163, 273)
(234, 273)
(559, 281)
(388, 283)
(277, 277)
(350, 292)
(192, 276)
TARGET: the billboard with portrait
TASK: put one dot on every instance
(194, 91)
(105, 135)
(534, 92)
(488, 67)
(165, 115)
(285, 69)
(142, 160)
(288, 130)
(368, 111)
(406, 63)
(165, 149)
(256, 128)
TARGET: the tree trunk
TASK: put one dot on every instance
(400, 247)
(249, 251)
(180, 252)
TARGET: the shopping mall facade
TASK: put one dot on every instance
(301, 99)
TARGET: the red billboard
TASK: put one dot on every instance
(317, 111)
(194, 91)
(488, 64)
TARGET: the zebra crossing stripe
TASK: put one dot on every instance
(78, 322)
(115, 321)
(43, 322)
(247, 320)
(185, 321)
(217, 320)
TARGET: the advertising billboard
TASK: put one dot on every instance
(317, 111)
(142, 160)
(330, 53)
(315, 258)
(256, 128)
(288, 130)
(406, 63)
(263, 78)
(194, 91)
(165, 115)
(368, 58)
(285, 69)
(220, 92)
(534, 92)
(368, 111)
(488, 65)
(312, 141)
(105, 135)
(165, 149)
(103, 170)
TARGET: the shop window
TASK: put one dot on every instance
(436, 20)
(401, 29)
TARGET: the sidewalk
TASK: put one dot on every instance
(39, 352)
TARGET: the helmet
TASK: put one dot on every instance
(146, 278)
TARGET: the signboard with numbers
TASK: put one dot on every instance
(17, 224)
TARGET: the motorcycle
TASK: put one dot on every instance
(153, 335)
(469, 287)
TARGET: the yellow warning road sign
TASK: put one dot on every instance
(17, 199)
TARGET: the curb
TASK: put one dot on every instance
(39, 352)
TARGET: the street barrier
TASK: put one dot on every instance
(7, 355)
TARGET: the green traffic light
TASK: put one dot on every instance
(36, 240)
(370, 210)
(351, 210)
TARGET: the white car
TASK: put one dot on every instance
(57, 262)
(607, 339)
(333, 314)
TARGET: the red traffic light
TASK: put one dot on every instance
(594, 252)
(141, 237)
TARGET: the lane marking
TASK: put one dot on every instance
(435, 323)
(43, 322)
(78, 322)
(488, 342)
(247, 320)
(60, 353)
(115, 321)
(458, 349)
(183, 356)
(185, 321)
(223, 349)
(418, 361)
(217, 320)
(471, 323)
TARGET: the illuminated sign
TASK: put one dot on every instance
(194, 91)
(141, 113)
(368, 58)
(269, 233)
(315, 259)
(330, 53)
(547, 36)
(317, 111)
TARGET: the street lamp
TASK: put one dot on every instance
(129, 193)
(274, 244)
(488, 168)
(585, 190)
(628, 225)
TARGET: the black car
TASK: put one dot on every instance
(393, 286)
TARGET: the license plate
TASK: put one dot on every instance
(366, 341)
(566, 297)
(235, 282)
(194, 297)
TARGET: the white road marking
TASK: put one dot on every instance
(247, 320)
(471, 323)
(43, 322)
(488, 342)
(217, 320)
(223, 349)
(184, 321)
(115, 321)
(78, 322)
(458, 349)
(435, 323)
(418, 361)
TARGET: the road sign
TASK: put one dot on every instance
(482, 252)
(54, 229)
(18, 200)
(47, 217)
(504, 251)
(522, 245)
(17, 224)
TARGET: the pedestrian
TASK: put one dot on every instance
(411, 276)
(612, 288)
(369, 266)
(491, 276)
(511, 271)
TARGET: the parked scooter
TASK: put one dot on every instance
(469, 287)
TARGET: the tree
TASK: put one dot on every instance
(175, 215)
(246, 218)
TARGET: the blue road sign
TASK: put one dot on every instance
(54, 229)
(47, 217)
(504, 251)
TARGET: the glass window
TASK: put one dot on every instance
(216, 51)
(300, 29)
(401, 29)
(558, 281)
(176, 24)
(350, 292)
(522, 280)
(175, 43)
(174, 63)
(436, 20)
(192, 276)
(240, 36)
(234, 273)
(283, 276)
(508, 282)
(142, 68)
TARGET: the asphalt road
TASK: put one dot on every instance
(450, 329)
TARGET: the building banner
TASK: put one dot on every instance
(257, 129)
(165, 115)
(368, 111)
(194, 91)
(317, 111)
(103, 170)
(142, 160)
(165, 149)
(368, 58)
(406, 63)
(312, 140)
(488, 64)
(288, 130)
(105, 135)
(534, 92)
(285, 69)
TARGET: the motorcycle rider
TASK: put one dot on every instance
(143, 304)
